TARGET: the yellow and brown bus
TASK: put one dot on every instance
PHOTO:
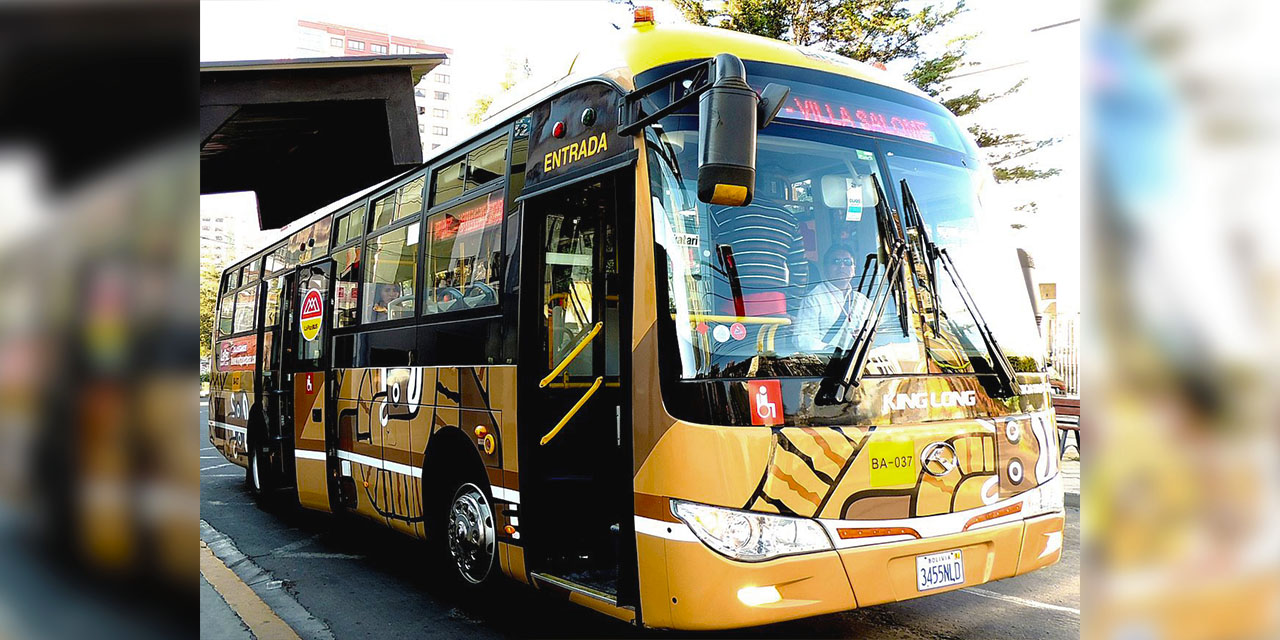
(703, 337)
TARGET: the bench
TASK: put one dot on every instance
(1067, 409)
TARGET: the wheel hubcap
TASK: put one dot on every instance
(471, 534)
(257, 479)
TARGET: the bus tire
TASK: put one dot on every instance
(470, 535)
(254, 476)
(258, 476)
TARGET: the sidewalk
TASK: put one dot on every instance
(217, 620)
(242, 613)
(1070, 467)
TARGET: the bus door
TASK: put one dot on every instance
(277, 395)
(574, 438)
(314, 446)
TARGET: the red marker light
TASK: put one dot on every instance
(644, 14)
(558, 130)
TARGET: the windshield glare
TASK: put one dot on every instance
(778, 287)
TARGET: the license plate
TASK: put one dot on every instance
(938, 570)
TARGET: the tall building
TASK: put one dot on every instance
(439, 117)
(228, 230)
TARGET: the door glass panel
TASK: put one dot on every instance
(613, 289)
(273, 303)
(569, 243)
(347, 287)
(311, 313)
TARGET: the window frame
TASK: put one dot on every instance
(369, 217)
(335, 248)
(462, 155)
(467, 197)
(364, 262)
(501, 184)
(334, 245)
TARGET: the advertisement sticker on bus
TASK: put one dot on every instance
(310, 314)
(238, 354)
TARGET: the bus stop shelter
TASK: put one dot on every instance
(303, 133)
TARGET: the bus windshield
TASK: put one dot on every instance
(781, 286)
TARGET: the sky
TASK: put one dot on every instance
(548, 35)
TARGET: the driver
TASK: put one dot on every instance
(832, 313)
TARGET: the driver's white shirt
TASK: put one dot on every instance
(823, 309)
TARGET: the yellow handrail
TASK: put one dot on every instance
(572, 354)
(698, 317)
(565, 420)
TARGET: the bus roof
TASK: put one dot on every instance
(644, 47)
(652, 46)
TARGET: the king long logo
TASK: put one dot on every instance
(922, 400)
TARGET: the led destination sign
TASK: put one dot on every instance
(814, 103)
(826, 113)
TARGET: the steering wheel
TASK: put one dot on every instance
(490, 296)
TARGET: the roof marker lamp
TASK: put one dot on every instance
(751, 536)
(643, 15)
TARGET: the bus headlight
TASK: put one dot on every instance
(751, 536)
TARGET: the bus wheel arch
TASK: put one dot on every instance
(458, 506)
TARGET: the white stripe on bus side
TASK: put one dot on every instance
(677, 531)
(229, 427)
(394, 467)
(309, 455)
(506, 495)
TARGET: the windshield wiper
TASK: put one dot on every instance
(844, 370)
(725, 253)
(932, 253)
(925, 248)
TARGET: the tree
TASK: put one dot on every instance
(209, 278)
(514, 74)
(881, 31)
(931, 75)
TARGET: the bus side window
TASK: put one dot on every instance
(225, 315)
(246, 309)
(464, 252)
(391, 273)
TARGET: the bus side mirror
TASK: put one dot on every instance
(727, 117)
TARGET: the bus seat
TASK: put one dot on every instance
(763, 303)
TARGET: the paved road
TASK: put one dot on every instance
(347, 578)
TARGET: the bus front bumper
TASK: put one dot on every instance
(709, 591)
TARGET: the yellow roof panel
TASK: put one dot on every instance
(651, 46)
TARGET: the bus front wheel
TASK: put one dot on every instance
(469, 534)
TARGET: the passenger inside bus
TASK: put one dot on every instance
(384, 301)
(767, 248)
